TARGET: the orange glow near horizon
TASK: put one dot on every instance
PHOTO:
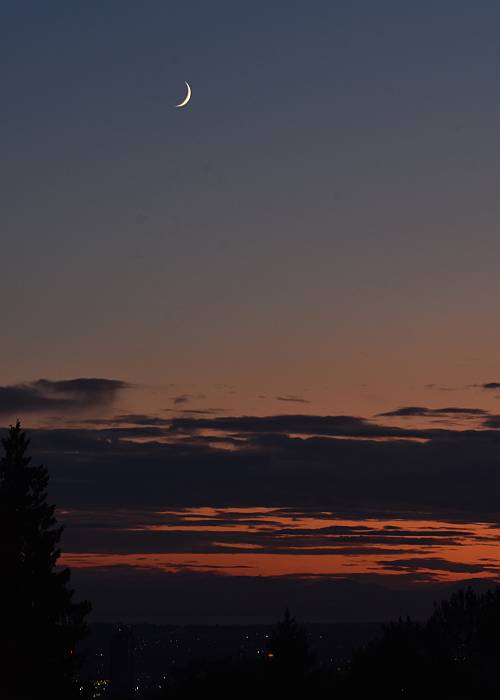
(278, 542)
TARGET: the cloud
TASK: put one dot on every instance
(488, 386)
(280, 531)
(196, 411)
(115, 485)
(492, 422)
(437, 564)
(44, 395)
(292, 398)
(421, 411)
(444, 473)
(287, 424)
(183, 398)
(134, 419)
(186, 398)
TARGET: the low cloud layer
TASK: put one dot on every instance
(119, 485)
(348, 463)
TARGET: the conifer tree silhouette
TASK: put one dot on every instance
(40, 624)
(289, 642)
(289, 654)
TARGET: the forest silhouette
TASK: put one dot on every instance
(452, 654)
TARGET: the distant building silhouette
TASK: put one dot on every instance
(121, 662)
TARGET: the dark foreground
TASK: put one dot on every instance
(452, 654)
(152, 657)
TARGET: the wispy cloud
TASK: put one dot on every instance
(45, 395)
(292, 398)
(186, 398)
(423, 412)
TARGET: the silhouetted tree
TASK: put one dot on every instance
(288, 646)
(288, 657)
(454, 654)
(283, 670)
(40, 624)
(392, 666)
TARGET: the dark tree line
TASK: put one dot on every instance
(455, 653)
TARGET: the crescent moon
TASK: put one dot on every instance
(187, 98)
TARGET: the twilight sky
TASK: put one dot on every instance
(312, 242)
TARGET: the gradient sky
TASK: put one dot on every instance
(323, 216)
(316, 233)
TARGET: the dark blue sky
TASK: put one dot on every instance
(332, 187)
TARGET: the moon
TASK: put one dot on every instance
(187, 98)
